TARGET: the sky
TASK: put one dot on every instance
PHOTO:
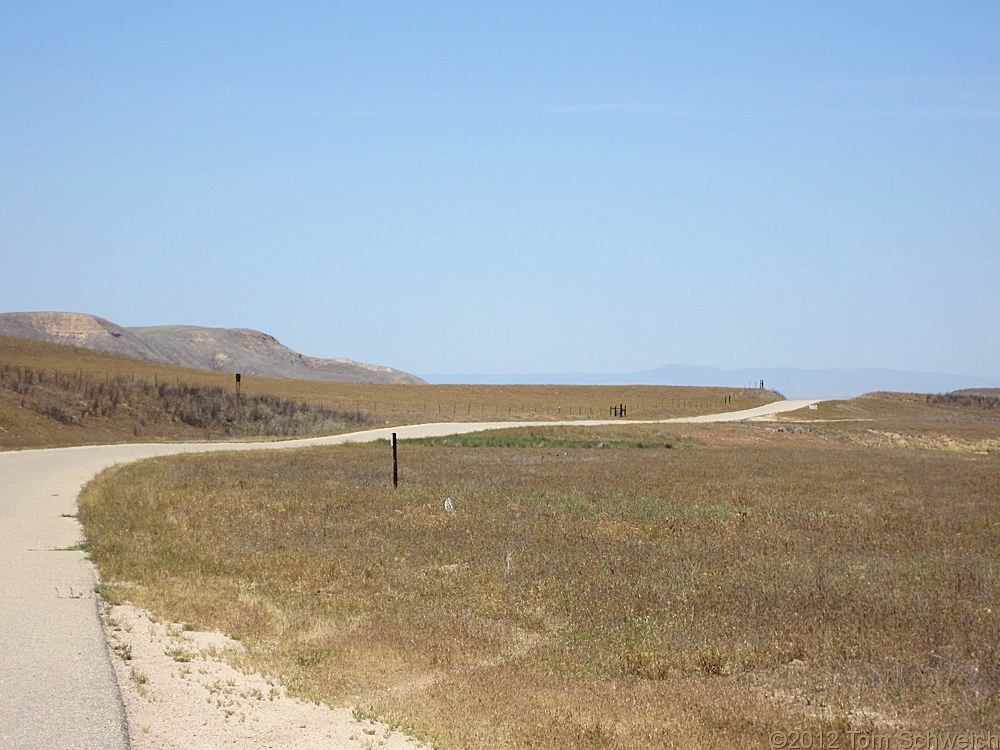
(495, 187)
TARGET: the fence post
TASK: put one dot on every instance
(395, 462)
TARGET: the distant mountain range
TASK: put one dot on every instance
(792, 383)
(255, 353)
(222, 349)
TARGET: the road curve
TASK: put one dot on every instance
(57, 688)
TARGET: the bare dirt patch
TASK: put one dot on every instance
(179, 693)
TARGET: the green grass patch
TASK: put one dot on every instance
(551, 438)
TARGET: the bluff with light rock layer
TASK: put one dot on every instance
(222, 349)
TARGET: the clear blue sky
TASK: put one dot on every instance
(515, 186)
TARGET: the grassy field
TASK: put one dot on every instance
(633, 586)
(61, 395)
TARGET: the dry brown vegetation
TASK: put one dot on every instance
(89, 397)
(85, 402)
(631, 586)
(905, 419)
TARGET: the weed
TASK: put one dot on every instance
(123, 650)
(78, 547)
(179, 654)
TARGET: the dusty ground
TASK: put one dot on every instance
(180, 694)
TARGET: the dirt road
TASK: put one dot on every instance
(57, 687)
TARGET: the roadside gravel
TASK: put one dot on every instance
(180, 694)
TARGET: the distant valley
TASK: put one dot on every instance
(221, 349)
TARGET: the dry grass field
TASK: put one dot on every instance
(720, 586)
(906, 420)
(60, 395)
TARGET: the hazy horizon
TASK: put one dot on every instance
(789, 381)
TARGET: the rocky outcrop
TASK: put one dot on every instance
(221, 349)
